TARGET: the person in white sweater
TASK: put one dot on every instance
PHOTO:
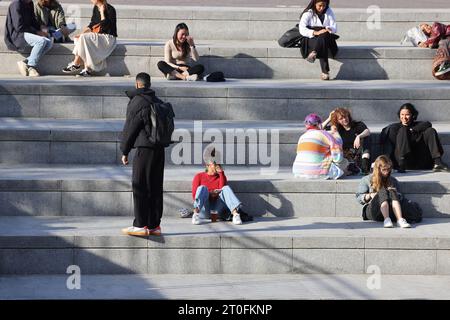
(179, 54)
(318, 27)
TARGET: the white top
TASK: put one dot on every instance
(173, 57)
(310, 19)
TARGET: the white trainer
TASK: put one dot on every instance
(196, 218)
(402, 223)
(388, 223)
(135, 231)
(192, 77)
(237, 219)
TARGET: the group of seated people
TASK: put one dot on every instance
(340, 146)
(36, 24)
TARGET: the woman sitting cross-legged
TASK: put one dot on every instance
(380, 195)
(178, 55)
(97, 42)
(210, 192)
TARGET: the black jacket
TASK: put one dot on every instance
(133, 133)
(20, 19)
(109, 25)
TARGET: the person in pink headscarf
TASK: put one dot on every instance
(319, 152)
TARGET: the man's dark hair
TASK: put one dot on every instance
(411, 108)
(144, 79)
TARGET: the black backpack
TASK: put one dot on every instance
(159, 123)
(291, 38)
(411, 211)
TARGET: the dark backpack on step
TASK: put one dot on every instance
(291, 38)
(159, 123)
(411, 211)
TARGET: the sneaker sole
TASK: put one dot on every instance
(137, 233)
(442, 72)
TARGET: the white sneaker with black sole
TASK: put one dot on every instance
(71, 68)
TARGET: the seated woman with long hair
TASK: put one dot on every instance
(180, 54)
(97, 42)
(379, 193)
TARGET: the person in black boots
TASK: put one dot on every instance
(148, 163)
(355, 139)
(318, 27)
(413, 144)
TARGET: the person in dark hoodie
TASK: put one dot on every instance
(148, 163)
(412, 144)
(22, 31)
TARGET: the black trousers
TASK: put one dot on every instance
(165, 68)
(415, 150)
(147, 185)
(323, 44)
(373, 210)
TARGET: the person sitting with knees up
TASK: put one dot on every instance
(211, 194)
(380, 195)
(355, 138)
(413, 144)
(178, 55)
(22, 30)
(50, 16)
(319, 153)
(318, 26)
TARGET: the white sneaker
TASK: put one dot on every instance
(388, 223)
(135, 231)
(237, 219)
(171, 77)
(192, 77)
(23, 68)
(402, 223)
(196, 218)
(32, 72)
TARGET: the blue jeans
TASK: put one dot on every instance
(41, 45)
(226, 202)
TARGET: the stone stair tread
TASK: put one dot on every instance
(236, 173)
(331, 230)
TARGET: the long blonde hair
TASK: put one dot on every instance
(378, 181)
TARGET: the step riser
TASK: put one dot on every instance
(247, 66)
(300, 203)
(223, 260)
(88, 152)
(250, 24)
(233, 104)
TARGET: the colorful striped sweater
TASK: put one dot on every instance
(319, 154)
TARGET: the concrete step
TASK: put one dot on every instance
(253, 59)
(30, 245)
(263, 143)
(97, 98)
(144, 22)
(56, 190)
(227, 287)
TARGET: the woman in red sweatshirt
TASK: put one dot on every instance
(211, 192)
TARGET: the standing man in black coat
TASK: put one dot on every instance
(21, 31)
(148, 163)
(413, 144)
